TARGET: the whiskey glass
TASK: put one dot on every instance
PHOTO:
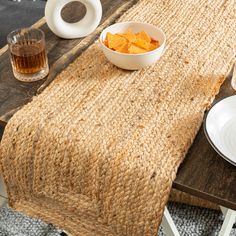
(28, 54)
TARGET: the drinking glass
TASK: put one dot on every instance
(28, 55)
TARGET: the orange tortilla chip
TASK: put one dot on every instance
(106, 43)
(144, 36)
(123, 48)
(131, 37)
(133, 49)
(115, 41)
(131, 43)
(153, 45)
(142, 43)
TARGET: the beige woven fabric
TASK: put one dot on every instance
(97, 151)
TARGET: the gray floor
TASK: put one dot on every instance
(190, 221)
(16, 224)
(196, 221)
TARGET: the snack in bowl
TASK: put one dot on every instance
(131, 43)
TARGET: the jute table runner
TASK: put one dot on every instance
(97, 151)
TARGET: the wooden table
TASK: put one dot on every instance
(203, 173)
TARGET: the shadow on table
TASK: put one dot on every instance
(1, 132)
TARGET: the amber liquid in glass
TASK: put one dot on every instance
(28, 58)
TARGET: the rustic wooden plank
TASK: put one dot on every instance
(61, 52)
(204, 173)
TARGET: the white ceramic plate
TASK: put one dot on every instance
(220, 128)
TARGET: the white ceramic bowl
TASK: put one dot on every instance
(220, 128)
(133, 61)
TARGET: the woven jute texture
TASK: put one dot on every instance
(97, 151)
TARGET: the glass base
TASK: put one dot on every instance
(31, 77)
